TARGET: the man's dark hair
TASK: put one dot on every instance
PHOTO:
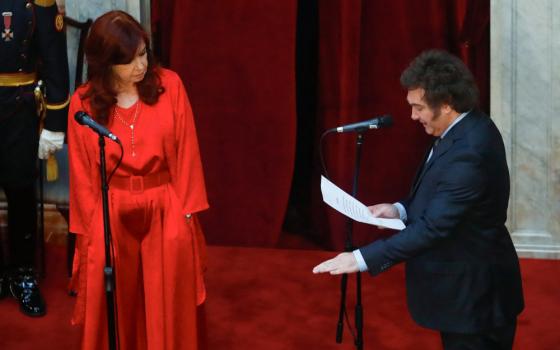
(444, 78)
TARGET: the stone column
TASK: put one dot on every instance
(525, 104)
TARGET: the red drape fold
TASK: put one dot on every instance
(474, 43)
(237, 61)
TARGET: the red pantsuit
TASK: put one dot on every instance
(158, 246)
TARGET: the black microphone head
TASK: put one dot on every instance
(79, 117)
(385, 121)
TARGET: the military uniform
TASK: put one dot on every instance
(32, 48)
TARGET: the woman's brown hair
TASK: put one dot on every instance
(114, 39)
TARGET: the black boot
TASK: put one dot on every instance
(25, 289)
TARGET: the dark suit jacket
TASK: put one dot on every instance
(462, 271)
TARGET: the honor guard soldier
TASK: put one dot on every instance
(33, 114)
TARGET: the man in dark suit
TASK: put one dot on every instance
(32, 49)
(462, 271)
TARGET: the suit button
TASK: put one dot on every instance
(23, 56)
(28, 5)
(20, 70)
(18, 98)
(25, 42)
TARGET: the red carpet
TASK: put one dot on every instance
(268, 299)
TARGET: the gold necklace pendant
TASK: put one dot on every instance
(129, 125)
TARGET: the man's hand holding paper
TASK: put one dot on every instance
(354, 209)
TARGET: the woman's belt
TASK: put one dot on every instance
(17, 79)
(138, 184)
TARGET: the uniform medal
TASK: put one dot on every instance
(7, 33)
(59, 22)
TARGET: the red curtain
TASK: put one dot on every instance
(236, 59)
(363, 48)
(474, 43)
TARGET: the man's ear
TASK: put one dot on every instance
(447, 109)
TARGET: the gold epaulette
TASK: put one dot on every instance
(55, 106)
(17, 79)
(44, 3)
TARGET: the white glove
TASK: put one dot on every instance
(50, 142)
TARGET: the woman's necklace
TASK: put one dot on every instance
(129, 125)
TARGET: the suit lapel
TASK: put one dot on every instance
(421, 168)
(445, 144)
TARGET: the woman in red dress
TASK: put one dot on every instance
(154, 195)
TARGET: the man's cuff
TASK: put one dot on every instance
(401, 210)
(360, 259)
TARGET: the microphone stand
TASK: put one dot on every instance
(348, 247)
(108, 271)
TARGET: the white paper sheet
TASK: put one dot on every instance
(351, 207)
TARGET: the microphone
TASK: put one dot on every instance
(375, 123)
(83, 119)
